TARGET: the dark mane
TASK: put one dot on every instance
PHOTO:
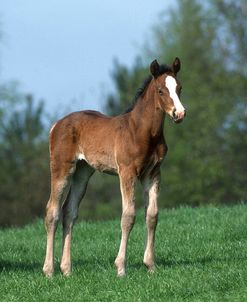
(163, 69)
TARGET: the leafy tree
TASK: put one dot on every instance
(126, 82)
(24, 170)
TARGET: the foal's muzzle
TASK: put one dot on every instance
(178, 116)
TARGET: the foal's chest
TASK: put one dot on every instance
(152, 159)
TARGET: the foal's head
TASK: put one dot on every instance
(168, 89)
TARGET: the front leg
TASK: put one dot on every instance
(127, 180)
(151, 190)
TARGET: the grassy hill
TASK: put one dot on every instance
(201, 256)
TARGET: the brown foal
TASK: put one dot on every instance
(131, 145)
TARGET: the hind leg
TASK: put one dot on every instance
(59, 189)
(70, 210)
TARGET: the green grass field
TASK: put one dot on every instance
(201, 256)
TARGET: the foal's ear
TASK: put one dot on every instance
(155, 68)
(176, 65)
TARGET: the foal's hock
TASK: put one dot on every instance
(130, 145)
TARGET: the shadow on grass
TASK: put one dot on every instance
(14, 266)
(92, 263)
(88, 264)
(199, 261)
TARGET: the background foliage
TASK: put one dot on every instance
(206, 162)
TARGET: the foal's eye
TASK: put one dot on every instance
(160, 91)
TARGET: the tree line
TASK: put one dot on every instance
(206, 161)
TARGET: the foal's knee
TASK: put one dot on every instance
(52, 216)
(69, 218)
(152, 216)
(128, 217)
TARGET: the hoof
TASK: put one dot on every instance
(66, 270)
(119, 263)
(48, 272)
(150, 266)
(151, 270)
(66, 274)
(121, 273)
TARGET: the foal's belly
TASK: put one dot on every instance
(100, 160)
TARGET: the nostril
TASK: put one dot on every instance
(174, 113)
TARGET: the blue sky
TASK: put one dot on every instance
(63, 51)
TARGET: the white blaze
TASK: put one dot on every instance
(171, 85)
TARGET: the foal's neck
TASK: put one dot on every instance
(147, 115)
